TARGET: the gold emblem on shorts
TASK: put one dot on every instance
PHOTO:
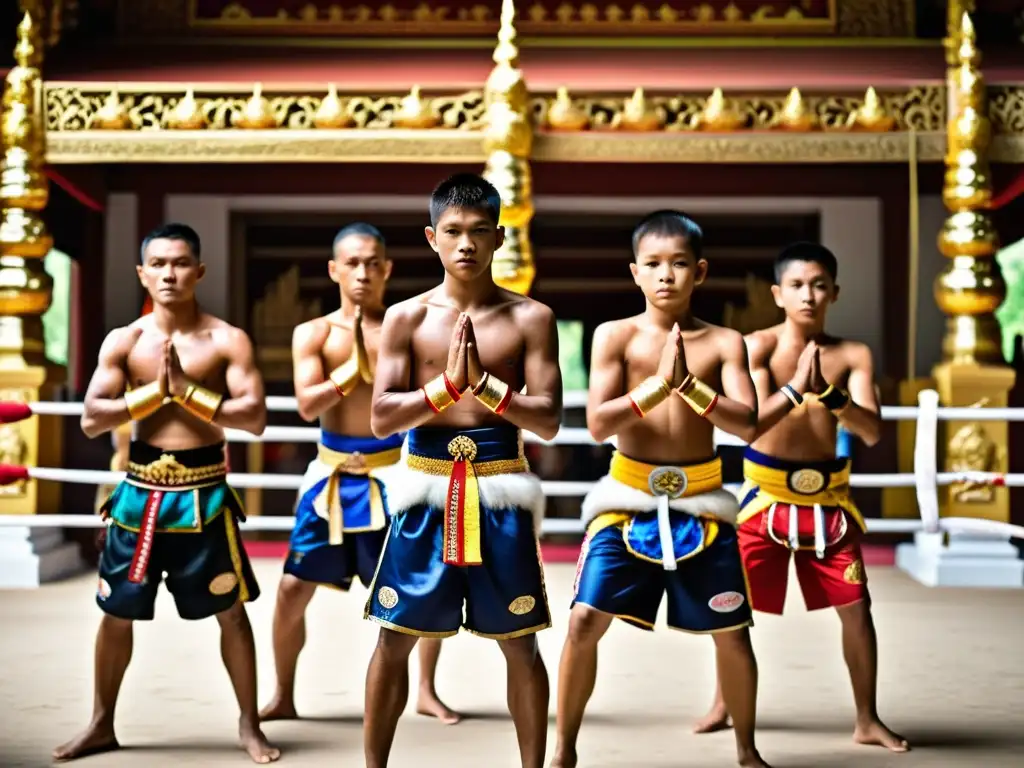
(854, 573)
(223, 584)
(667, 481)
(522, 605)
(354, 464)
(807, 481)
(387, 597)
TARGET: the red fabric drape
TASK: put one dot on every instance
(80, 195)
(1012, 191)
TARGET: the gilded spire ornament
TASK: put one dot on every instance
(719, 114)
(640, 115)
(871, 115)
(564, 115)
(971, 287)
(331, 113)
(508, 142)
(416, 112)
(25, 287)
(257, 114)
(112, 116)
(187, 115)
(795, 116)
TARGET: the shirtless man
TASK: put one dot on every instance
(796, 497)
(464, 505)
(661, 521)
(340, 515)
(174, 514)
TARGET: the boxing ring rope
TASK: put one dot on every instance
(925, 479)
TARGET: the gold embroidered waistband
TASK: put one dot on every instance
(357, 463)
(442, 468)
(167, 472)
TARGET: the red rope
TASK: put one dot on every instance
(1012, 191)
(81, 196)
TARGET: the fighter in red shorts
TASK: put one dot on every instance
(796, 495)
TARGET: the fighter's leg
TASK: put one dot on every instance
(238, 650)
(427, 701)
(387, 691)
(737, 676)
(528, 694)
(577, 676)
(860, 649)
(293, 596)
(767, 567)
(113, 652)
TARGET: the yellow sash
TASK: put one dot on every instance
(700, 478)
(351, 464)
(461, 544)
(803, 487)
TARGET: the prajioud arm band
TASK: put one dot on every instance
(698, 395)
(648, 394)
(440, 393)
(494, 393)
(792, 395)
(834, 398)
(346, 376)
(144, 401)
(201, 402)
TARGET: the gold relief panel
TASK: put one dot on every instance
(274, 318)
(971, 449)
(73, 107)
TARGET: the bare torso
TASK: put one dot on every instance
(351, 415)
(672, 433)
(203, 360)
(500, 339)
(807, 433)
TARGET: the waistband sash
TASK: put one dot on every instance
(666, 483)
(328, 504)
(770, 482)
(463, 455)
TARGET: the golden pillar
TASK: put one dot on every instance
(508, 141)
(968, 291)
(25, 287)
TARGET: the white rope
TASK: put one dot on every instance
(578, 399)
(549, 526)
(926, 470)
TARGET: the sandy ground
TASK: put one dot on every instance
(952, 680)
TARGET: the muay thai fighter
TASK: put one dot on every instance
(796, 499)
(340, 516)
(464, 506)
(661, 521)
(174, 514)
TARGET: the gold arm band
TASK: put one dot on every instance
(648, 394)
(144, 401)
(361, 357)
(494, 393)
(346, 376)
(439, 393)
(201, 402)
(698, 395)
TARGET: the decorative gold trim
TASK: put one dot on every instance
(448, 146)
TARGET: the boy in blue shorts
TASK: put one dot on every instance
(341, 517)
(660, 522)
(464, 505)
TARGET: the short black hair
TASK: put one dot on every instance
(468, 191)
(174, 231)
(815, 253)
(360, 229)
(669, 223)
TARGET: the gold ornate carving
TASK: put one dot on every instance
(1006, 109)
(760, 311)
(872, 115)
(876, 18)
(274, 317)
(442, 146)
(972, 450)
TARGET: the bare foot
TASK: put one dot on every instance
(874, 733)
(255, 743)
(564, 758)
(94, 740)
(278, 709)
(752, 760)
(715, 720)
(428, 703)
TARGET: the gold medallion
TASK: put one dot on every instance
(807, 481)
(522, 605)
(223, 583)
(667, 481)
(387, 597)
(854, 573)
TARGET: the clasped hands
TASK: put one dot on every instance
(673, 376)
(464, 372)
(808, 380)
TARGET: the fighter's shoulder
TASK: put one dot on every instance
(313, 331)
(120, 340)
(761, 344)
(854, 352)
(225, 335)
(527, 310)
(615, 334)
(728, 340)
(409, 313)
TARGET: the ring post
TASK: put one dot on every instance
(28, 556)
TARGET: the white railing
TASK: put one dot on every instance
(925, 479)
